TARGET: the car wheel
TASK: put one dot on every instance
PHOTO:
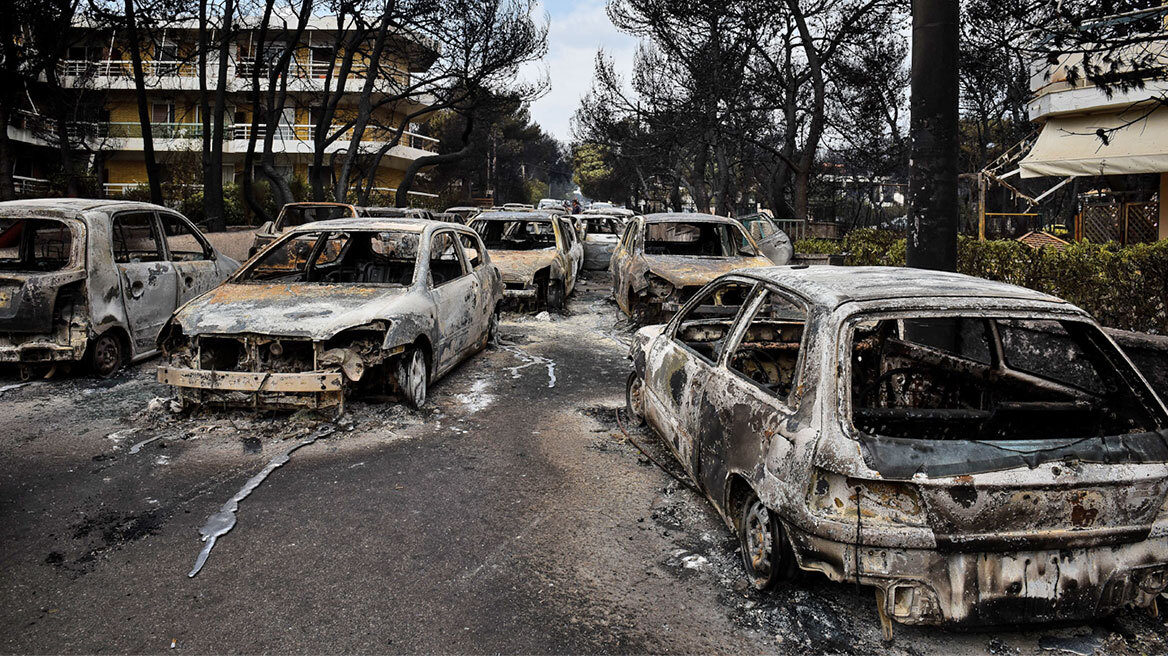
(413, 377)
(555, 296)
(764, 552)
(635, 400)
(106, 355)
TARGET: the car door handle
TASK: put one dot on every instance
(188, 281)
(136, 289)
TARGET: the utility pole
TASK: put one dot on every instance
(933, 210)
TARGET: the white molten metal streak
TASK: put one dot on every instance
(529, 360)
(223, 521)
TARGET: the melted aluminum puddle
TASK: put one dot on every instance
(529, 360)
(223, 521)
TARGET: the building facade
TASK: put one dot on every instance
(100, 62)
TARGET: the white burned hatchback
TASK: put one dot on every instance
(977, 452)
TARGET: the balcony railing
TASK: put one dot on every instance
(242, 132)
(303, 132)
(26, 186)
(125, 68)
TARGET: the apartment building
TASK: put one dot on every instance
(100, 61)
(1116, 136)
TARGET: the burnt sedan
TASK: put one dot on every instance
(539, 254)
(662, 259)
(93, 281)
(977, 452)
(333, 308)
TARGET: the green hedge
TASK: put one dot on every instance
(1122, 286)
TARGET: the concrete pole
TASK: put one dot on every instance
(933, 210)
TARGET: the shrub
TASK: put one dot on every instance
(1121, 286)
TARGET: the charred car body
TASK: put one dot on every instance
(335, 307)
(538, 254)
(601, 234)
(94, 280)
(298, 214)
(977, 452)
(661, 260)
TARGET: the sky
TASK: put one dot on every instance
(577, 31)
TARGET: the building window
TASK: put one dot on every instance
(162, 113)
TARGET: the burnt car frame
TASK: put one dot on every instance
(651, 278)
(93, 281)
(379, 305)
(979, 453)
(298, 214)
(538, 253)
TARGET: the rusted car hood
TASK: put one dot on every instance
(686, 270)
(522, 265)
(294, 310)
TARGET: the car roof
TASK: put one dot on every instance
(527, 215)
(400, 224)
(831, 286)
(77, 205)
(687, 217)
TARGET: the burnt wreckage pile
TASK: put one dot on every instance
(977, 453)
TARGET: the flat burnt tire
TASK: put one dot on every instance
(765, 554)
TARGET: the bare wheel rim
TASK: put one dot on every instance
(417, 378)
(634, 398)
(760, 541)
(107, 355)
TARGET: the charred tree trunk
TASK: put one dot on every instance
(933, 206)
(153, 177)
(220, 109)
(7, 184)
(212, 170)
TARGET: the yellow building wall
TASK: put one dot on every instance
(125, 171)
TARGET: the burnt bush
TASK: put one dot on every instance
(1122, 286)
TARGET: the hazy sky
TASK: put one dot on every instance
(578, 29)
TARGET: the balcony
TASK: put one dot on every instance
(288, 138)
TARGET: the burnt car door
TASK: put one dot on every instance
(685, 358)
(747, 405)
(572, 250)
(483, 283)
(619, 264)
(453, 289)
(149, 281)
(191, 255)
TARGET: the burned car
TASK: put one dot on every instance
(601, 234)
(375, 305)
(93, 281)
(538, 254)
(662, 259)
(772, 241)
(396, 213)
(978, 453)
(298, 214)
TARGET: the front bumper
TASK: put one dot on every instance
(927, 586)
(312, 389)
(520, 290)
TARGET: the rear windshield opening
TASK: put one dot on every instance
(601, 226)
(521, 235)
(696, 239)
(971, 378)
(384, 257)
(34, 245)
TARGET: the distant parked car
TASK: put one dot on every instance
(551, 204)
(464, 212)
(601, 234)
(517, 207)
(979, 453)
(297, 214)
(663, 259)
(773, 242)
(538, 254)
(93, 281)
(377, 305)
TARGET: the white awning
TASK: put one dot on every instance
(1071, 146)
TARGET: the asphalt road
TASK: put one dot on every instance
(510, 515)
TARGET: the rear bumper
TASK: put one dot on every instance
(309, 389)
(927, 586)
(38, 350)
